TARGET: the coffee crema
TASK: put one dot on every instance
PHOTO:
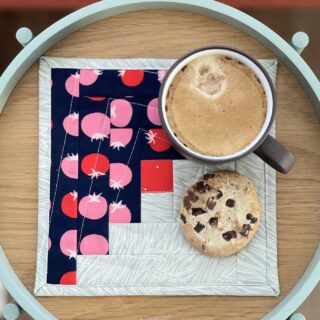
(216, 105)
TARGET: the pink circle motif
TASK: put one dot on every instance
(89, 76)
(153, 112)
(119, 213)
(161, 75)
(73, 85)
(69, 166)
(119, 138)
(93, 206)
(68, 243)
(94, 244)
(71, 124)
(120, 112)
(120, 175)
(96, 126)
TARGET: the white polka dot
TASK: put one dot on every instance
(157, 167)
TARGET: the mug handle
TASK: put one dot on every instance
(275, 155)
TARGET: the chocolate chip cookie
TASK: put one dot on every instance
(220, 213)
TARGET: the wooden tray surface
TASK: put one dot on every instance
(160, 34)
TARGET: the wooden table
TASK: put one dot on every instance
(160, 34)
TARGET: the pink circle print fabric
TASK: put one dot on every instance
(104, 123)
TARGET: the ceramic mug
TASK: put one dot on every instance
(264, 145)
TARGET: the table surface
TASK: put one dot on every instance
(160, 34)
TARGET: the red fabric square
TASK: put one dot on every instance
(156, 176)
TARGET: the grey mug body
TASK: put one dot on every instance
(266, 147)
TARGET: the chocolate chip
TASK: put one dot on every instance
(203, 246)
(208, 176)
(166, 108)
(210, 204)
(249, 216)
(220, 194)
(228, 58)
(226, 236)
(213, 222)
(186, 202)
(245, 230)
(241, 63)
(198, 227)
(229, 235)
(183, 218)
(184, 68)
(230, 203)
(192, 196)
(200, 187)
(197, 211)
(253, 220)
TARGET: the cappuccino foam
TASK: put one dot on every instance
(216, 105)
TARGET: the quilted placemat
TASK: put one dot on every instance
(110, 186)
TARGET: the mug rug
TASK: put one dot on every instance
(110, 186)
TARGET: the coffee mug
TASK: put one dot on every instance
(264, 145)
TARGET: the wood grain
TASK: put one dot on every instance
(160, 34)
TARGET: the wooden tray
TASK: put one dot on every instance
(160, 34)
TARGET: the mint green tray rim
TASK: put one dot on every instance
(103, 9)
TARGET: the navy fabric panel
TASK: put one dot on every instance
(109, 84)
(62, 145)
(89, 185)
(97, 91)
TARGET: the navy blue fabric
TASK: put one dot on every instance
(109, 86)
(61, 104)
(88, 185)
